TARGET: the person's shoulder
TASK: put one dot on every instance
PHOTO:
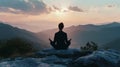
(60, 32)
(64, 32)
(57, 33)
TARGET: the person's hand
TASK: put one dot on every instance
(50, 40)
(69, 41)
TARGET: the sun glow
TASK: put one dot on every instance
(61, 13)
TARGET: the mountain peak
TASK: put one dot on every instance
(113, 24)
(4, 25)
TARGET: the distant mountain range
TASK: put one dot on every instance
(8, 32)
(104, 35)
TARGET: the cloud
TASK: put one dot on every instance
(24, 6)
(75, 8)
(56, 8)
(110, 6)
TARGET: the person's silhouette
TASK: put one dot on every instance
(60, 39)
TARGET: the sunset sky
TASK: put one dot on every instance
(38, 15)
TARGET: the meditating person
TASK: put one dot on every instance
(60, 39)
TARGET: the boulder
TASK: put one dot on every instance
(100, 58)
(69, 53)
(56, 60)
(27, 62)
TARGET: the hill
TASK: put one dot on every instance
(8, 32)
(113, 44)
(81, 34)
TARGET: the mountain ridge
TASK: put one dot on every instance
(81, 34)
(8, 32)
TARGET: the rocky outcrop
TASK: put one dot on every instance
(66, 58)
(101, 58)
(70, 53)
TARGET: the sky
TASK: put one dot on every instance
(39, 15)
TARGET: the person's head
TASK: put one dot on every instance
(61, 26)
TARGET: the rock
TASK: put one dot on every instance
(59, 53)
(56, 60)
(100, 58)
(64, 58)
(28, 62)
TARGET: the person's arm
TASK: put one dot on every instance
(50, 41)
(67, 41)
(55, 38)
(66, 38)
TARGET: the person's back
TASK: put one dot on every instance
(60, 39)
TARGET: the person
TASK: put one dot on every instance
(60, 39)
